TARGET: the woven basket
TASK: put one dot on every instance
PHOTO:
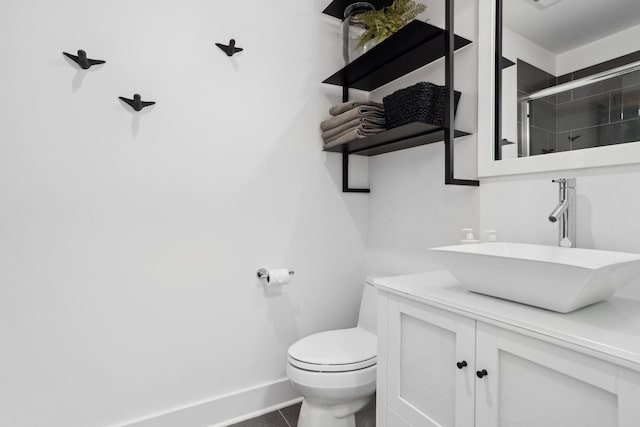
(423, 102)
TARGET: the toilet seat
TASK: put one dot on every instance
(342, 350)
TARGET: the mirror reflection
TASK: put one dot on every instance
(570, 75)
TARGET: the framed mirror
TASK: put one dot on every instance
(564, 84)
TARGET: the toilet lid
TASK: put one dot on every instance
(335, 351)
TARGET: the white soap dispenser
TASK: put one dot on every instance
(492, 235)
(468, 237)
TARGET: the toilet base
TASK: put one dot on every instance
(341, 415)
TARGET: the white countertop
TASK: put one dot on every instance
(609, 330)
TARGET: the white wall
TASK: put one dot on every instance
(516, 46)
(606, 207)
(607, 48)
(509, 110)
(129, 242)
(411, 209)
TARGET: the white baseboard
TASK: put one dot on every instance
(225, 410)
(258, 413)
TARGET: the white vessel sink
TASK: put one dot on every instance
(554, 278)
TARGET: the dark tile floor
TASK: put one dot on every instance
(285, 417)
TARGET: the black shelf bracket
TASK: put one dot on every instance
(449, 127)
(345, 177)
(345, 159)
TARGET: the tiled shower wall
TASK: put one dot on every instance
(603, 113)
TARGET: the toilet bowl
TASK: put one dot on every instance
(335, 371)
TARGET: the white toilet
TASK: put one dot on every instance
(335, 371)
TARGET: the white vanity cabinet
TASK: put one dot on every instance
(423, 384)
(443, 366)
(535, 383)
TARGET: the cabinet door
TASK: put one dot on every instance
(534, 383)
(424, 384)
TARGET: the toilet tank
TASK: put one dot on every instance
(368, 318)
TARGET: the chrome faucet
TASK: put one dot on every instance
(566, 213)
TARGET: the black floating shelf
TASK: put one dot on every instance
(400, 138)
(505, 141)
(506, 63)
(337, 7)
(415, 45)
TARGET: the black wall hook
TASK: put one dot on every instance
(136, 103)
(231, 48)
(82, 60)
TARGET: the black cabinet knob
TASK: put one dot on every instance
(462, 364)
(482, 373)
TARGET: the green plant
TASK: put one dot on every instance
(386, 21)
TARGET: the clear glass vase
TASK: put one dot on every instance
(352, 30)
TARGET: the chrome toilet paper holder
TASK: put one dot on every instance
(263, 274)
